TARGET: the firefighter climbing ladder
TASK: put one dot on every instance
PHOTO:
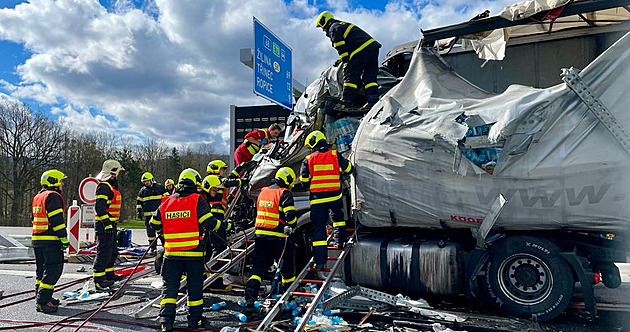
(300, 279)
(235, 253)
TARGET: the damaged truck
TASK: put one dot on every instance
(509, 198)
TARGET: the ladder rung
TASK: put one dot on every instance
(333, 258)
(249, 241)
(303, 294)
(312, 281)
(211, 271)
(350, 230)
(334, 248)
(315, 270)
(239, 250)
(224, 260)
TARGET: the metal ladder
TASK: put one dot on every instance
(242, 245)
(299, 280)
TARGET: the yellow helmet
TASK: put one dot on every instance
(215, 166)
(314, 138)
(52, 178)
(286, 175)
(147, 177)
(169, 181)
(211, 181)
(191, 175)
(323, 18)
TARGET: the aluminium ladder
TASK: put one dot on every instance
(300, 279)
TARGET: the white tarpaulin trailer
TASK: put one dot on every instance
(557, 163)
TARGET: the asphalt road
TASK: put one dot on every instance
(16, 277)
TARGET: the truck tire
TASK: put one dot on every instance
(526, 277)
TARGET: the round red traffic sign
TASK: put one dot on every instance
(87, 190)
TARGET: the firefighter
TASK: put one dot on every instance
(275, 220)
(358, 52)
(49, 238)
(216, 242)
(107, 208)
(321, 171)
(169, 184)
(147, 201)
(181, 219)
(220, 168)
(253, 141)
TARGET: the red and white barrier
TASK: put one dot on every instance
(73, 227)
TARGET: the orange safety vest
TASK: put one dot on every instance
(181, 225)
(41, 225)
(268, 220)
(114, 205)
(324, 170)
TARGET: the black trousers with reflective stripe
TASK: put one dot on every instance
(320, 214)
(150, 232)
(106, 251)
(172, 274)
(49, 266)
(268, 249)
(361, 70)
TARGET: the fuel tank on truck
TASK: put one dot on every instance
(407, 265)
(436, 151)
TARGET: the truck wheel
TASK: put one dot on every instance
(526, 277)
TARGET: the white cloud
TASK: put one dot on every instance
(171, 69)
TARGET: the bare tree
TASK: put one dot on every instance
(30, 142)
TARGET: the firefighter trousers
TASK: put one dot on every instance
(150, 232)
(361, 70)
(268, 249)
(49, 266)
(106, 253)
(172, 274)
(320, 214)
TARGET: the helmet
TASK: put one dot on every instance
(215, 166)
(147, 177)
(191, 176)
(52, 178)
(211, 181)
(169, 181)
(314, 138)
(110, 167)
(286, 175)
(323, 19)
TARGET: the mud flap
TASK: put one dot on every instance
(581, 267)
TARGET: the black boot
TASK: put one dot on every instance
(197, 323)
(48, 308)
(166, 327)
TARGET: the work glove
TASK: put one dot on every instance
(109, 230)
(244, 182)
(288, 230)
(64, 243)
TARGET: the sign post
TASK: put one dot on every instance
(87, 193)
(273, 67)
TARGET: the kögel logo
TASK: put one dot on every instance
(178, 214)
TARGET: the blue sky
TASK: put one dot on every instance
(169, 69)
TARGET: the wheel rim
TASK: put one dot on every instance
(525, 279)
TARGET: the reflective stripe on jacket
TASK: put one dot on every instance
(181, 226)
(324, 170)
(114, 205)
(42, 229)
(268, 220)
